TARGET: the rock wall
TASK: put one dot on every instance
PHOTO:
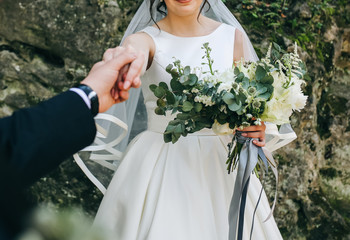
(46, 46)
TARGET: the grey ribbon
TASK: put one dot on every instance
(248, 159)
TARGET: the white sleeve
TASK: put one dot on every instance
(277, 138)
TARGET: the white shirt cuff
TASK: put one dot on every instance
(82, 94)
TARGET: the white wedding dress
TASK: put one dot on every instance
(181, 191)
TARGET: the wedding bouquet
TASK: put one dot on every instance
(244, 95)
(229, 101)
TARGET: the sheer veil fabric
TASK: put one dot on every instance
(115, 126)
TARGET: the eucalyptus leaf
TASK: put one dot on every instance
(245, 83)
(268, 79)
(169, 68)
(164, 85)
(198, 107)
(159, 92)
(265, 95)
(260, 73)
(152, 87)
(175, 137)
(235, 106)
(228, 98)
(178, 129)
(187, 70)
(161, 103)
(193, 79)
(183, 116)
(167, 137)
(159, 111)
(187, 106)
(236, 71)
(176, 85)
(170, 97)
(174, 122)
(183, 79)
(261, 91)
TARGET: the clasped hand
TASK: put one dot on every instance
(112, 77)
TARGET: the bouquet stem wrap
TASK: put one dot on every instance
(248, 159)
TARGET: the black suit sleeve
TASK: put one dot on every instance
(36, 140)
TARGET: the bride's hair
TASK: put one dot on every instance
(161, 7)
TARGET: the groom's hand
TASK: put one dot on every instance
(104, 75)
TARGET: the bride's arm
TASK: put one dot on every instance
(252, 131)
(140, 44)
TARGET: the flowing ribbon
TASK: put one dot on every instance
(248, 159)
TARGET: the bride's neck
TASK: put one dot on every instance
(185, 26)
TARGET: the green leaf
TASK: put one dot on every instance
(159, 111)
(267, 79)
(159, 92)
(161, 103)
(266, 95)
(178, 129)
(236, 71)
(175, 137)
(187, 106)
(193, 79)
(228, 98)
(235, 106)
(167, 137)
(174, 122)
(183, 79)
(169, 68)
(164, 85)
(152, 87)
(262, 91)
(176, 85)
(198, 107)
(170, 128)
(245, 83)
(260, 73)
(187, 70)
(183, 116)
(170, 97)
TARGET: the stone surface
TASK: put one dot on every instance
(46, 46)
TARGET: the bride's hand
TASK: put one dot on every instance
(256, 132)
(129, 74)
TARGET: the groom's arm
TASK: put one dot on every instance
(36, 140)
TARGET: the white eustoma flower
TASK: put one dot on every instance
(206, 100)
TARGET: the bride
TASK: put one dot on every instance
(182, 191)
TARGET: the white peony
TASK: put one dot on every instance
(220, 129)
(277, 111)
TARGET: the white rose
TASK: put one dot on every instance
(220, 129)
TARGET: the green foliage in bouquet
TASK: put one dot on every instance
(236, 97)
